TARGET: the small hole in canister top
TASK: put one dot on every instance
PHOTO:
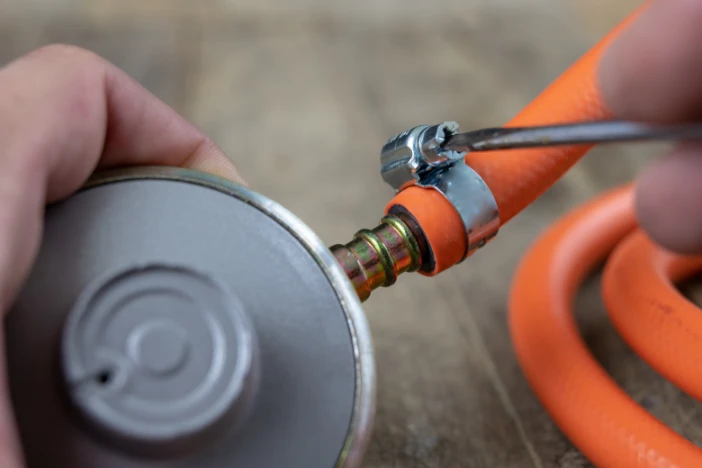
(104, 377)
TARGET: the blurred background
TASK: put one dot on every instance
(303, 93)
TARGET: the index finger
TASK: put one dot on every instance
(63, 113)
(71, 111)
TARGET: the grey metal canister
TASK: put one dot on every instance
(174, 319)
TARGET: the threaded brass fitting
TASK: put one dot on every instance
(376, 257)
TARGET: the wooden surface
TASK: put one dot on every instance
(303, 93)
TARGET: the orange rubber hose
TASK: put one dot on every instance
(661, 325)
(516, 177)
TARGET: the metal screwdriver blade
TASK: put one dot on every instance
(613, 131)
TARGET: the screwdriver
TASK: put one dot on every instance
(608, 131)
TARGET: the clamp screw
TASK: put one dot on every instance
(406, 158)
(418, 157)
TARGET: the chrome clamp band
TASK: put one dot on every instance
(416, 157)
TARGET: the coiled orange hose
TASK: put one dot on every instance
(663, 327)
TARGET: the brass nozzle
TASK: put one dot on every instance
(376, 257)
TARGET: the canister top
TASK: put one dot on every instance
(159, 358)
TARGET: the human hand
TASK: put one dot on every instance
(65, 112)
(653, 72)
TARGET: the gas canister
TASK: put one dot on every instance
(176, 319)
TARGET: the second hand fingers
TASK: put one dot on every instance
(652, 72)
(667, 200)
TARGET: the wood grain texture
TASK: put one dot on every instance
(302, 94)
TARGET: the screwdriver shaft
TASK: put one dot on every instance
(613, 131)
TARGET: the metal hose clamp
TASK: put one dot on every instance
(416, 157)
